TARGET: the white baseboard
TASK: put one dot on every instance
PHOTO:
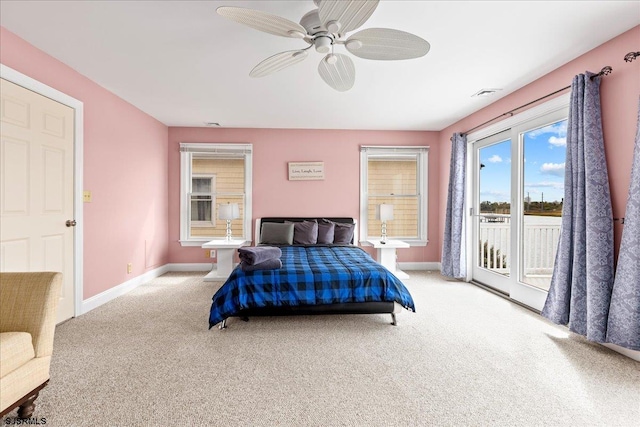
(419, 266)
(123, 288)
(632, 354)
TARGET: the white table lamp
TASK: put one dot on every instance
(384, 214)
(228, 212)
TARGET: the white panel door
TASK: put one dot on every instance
(36, 187)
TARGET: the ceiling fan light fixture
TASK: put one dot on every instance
(353, 44)
(323, 44)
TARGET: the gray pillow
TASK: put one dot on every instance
(274, 233)
(326, 230)
(305, 232)
(343, 233)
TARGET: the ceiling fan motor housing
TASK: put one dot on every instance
(322, 39)
(311, 22)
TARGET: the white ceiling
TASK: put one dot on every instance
(185, 65)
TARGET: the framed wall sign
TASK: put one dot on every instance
(306, 171)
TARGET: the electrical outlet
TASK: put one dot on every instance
(129, 268)
(212, 253)
(86, 196)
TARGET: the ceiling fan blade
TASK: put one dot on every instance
(337, 71)
(263, 21)
(386, 44)
(277, 62)
(349, 14)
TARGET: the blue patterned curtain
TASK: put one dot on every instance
(453, 248)
(582, 279)
(624, 313)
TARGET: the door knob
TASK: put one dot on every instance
(71, 223)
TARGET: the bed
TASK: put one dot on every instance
(315, 278)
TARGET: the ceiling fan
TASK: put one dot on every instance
(325, 27)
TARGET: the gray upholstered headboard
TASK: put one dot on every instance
(344, 220)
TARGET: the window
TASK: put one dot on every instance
(203, 200)
(395, 176)
(214, 174)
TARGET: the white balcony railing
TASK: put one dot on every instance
(539, 241)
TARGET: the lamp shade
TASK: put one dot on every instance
(229, 211)
(385, 212)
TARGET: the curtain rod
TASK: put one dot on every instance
(605, 71)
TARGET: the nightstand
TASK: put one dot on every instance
(226, 249)
(387, 255)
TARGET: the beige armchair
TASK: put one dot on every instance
(28, 304)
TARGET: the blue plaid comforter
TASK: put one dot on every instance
(310, 275)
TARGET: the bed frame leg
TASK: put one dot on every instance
(394, 322)
(223, 324)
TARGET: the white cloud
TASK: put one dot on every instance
(559, 129)
(495, 159)
(545, 184)
(558, 142)
(556, 169)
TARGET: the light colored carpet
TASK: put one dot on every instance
(466, 358)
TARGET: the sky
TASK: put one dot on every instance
(544, 160)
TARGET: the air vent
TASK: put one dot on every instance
(484, 92)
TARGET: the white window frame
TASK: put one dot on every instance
(422, 155)
(187, 151)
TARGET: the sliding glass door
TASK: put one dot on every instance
(542, 195)
(492, 212)
(518, 187)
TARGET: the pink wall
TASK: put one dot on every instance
(275, 195)
(125, 168)
(134, 175)
(619, 96)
